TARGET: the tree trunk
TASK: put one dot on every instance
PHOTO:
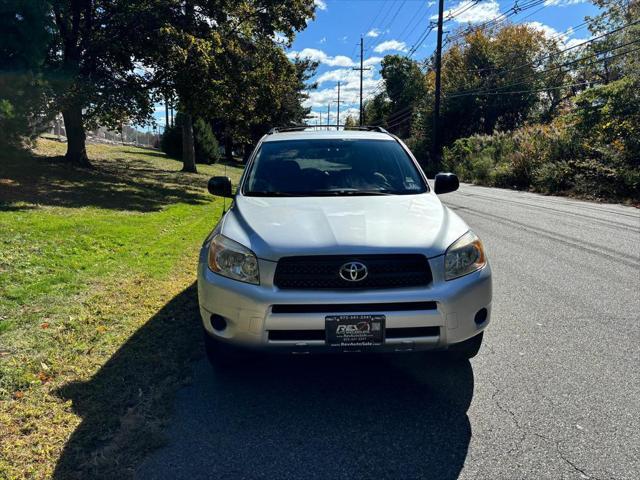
(76, 137)
(228, 147)
(188, 145)
(247, 153)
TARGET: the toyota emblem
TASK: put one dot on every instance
(354, 271)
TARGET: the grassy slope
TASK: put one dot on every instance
(98, 315)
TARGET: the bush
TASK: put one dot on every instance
(24, 112)
(206, 145)
(563, 157)
(171, 141)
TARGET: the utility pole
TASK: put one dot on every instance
(361, 70)
(338, 114)
(171, 107)
(436, 106)
(166, 109)
(328, 114)
(338, 102)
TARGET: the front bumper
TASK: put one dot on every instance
(448, 307)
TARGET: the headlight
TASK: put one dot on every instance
(464, 256)
(230, 259)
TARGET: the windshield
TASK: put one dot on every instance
(333, 167)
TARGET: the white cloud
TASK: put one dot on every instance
(349, 76)
(563, 3)
(322, 57)
(339, 75)
(373, 33)
(280, 38)
(546, 29)
(468, 11)
(349, 91)
(391, 45)
(371, 61)
(320, 4)
(322, 40)
(574, 42)
(561, 37)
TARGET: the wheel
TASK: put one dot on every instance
(465, 350)
(222, 354)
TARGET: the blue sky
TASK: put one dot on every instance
(393, 27)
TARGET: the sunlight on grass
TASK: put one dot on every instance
(88, 257)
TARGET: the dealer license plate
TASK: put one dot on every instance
(354, 330)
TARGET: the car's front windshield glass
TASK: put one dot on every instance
(319, 167)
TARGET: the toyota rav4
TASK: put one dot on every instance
(336, 242)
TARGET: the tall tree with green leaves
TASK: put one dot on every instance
(209, 48)
(94, 64)
(25, 96)
(616, 31)
(376, 110)
(404, 83)
(350, 122)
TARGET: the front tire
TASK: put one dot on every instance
(465, 350)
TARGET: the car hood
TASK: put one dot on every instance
(280, 227)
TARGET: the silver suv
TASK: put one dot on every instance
(336, 242)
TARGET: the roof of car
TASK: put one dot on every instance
(326, 134)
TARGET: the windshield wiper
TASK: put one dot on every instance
(355, 192)
(275, 194)
(321, 193)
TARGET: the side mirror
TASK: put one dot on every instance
(446, 182)
(220, 186)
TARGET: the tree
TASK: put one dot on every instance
(604, 58)
(208, 56)
(350, 122)
(376, 110)
(404, 82)
(206, 147)
(93, 65)
(25, 96)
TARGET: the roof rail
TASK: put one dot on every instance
(299, 128)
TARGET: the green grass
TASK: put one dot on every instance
(98, 315)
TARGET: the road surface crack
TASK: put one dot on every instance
(514, 418)
(581, 471)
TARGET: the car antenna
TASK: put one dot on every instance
(224, 199)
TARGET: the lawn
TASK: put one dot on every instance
(98, 310)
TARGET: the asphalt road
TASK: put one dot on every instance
(554, 392)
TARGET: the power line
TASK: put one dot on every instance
(401, 119)
(514, 10)
(572, 47)
(544, 72)
(538, 62)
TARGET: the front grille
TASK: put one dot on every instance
(308, 335)
(322, 272)
(296, 335)
(407, 332)
(354, 307)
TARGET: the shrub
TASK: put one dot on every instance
(171, 141)
(563, 157)
(553, 177)
(206, 145)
